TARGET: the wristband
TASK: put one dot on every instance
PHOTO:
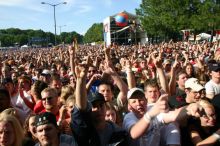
(147, 117)
(129, 71)
(217, 136)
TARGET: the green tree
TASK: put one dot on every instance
(94, 33)
(68, 37)
(9, 37)
(165, 18)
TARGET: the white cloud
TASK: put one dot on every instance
(11, 2)
(23, 4)
(83, 9)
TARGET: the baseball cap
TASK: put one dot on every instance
(132, 91)
(45, 118)
(214, 67)
(93, 97)
(193, 84)
(167, 61)
(45, 72)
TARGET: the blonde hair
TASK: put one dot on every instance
(206, 104)
(12, 112)
(53, 91)
(18, 131)
(70, 99)
(9, 111)
(66, 92)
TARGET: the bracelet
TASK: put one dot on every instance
(147, 117)
(217, 136)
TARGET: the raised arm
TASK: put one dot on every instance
(172, 83)
(193, 109)
(109, 69)
(163, 81)
(72, 57)
(130, 75)
(81, 94)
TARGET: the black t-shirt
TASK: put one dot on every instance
(216, 102)
(177, 101)
(195, 124)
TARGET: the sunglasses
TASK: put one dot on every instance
(92, 71)
(48, 98)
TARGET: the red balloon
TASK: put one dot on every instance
(121, 19)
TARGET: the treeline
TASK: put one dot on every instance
(15, 36)
(165, 18)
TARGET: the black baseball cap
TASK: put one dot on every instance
(7, 80)
(214, 67)
(94, 97)
(45, 118)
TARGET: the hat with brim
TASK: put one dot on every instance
(45, 118)
(135, 91)
(95, 97)
(45, 72)
(214, 67)
(193, 84)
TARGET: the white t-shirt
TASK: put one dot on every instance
(152, 135)
(18, 103)
(212, 88)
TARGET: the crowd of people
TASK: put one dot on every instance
(165, 94)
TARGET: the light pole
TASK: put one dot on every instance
(61, 27)
(54, 14)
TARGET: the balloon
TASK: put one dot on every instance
(121, 19)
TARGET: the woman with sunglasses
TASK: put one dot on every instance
(204, 131)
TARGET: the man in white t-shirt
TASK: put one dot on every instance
(144, 126)
(213, 86)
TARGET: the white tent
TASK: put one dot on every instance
(204, 36)
(24, 47)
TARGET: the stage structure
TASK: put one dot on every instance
(131, 33)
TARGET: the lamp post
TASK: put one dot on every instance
(61, 27)
(54, 14)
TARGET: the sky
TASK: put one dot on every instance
(76, 15)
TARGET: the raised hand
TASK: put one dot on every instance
(62, 112)
(157, 61)
(82, 69)
(176, 63)
(194, 109)
(161, 106)
(128, 64)
(71, 50)
(109, 68)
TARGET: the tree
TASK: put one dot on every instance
(94, 33)
(9, 37)
(167, 18)
(68, 37)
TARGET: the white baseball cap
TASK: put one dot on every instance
(135, 90)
